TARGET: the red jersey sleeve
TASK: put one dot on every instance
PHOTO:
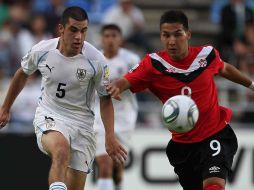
(140, 77)
(218, 63)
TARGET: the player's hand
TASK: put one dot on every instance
(113, 91)
(115, 150)
(4, 117)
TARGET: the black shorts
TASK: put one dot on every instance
(211, 157)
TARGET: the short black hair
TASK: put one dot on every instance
(74, 12)
(111, 27)
(175, 16)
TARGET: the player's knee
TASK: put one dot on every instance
(105, 166)
(105, 169)
(60, 156)
(214, 187)
(105, 173)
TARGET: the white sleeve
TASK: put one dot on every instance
(101, 66)
(28, 63)
(102, 77)
(31, 60)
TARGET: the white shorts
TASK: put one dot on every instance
(123, 137)
(82, 142)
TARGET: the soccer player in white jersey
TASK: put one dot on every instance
(120, 61)
(71, 71)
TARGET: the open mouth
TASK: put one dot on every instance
(76, 45)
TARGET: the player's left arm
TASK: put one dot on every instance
(233, 74)
(114, 149)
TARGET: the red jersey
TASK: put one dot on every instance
(165, 78)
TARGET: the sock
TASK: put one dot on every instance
(118, 186)
(105, 184)
(214, 187)
(57, 186)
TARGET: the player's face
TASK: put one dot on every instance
(73, 35)
(111, 40)
(175, 39)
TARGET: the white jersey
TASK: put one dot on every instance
(68, 83)
(126, 110)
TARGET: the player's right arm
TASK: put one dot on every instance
(116, 87)
(114, 149)
(17, 84)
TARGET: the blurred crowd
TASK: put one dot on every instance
(236, 45)
(23, 23)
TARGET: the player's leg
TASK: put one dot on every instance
(124, 137)
(105, 170)
(118, 171)
(82, 153)
(53, 140)
(104, 164)
(218, 153)
(57, 147)
(214, 183)
(185, 160)
(189, 178)
(75, 179)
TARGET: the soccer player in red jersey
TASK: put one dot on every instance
(202, 157)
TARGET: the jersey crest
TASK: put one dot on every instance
(200, 63)
(81, 74)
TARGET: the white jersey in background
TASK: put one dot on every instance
(126, 110)
(68, 83)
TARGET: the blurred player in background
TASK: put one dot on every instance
(203, 156)
(120, 61)
(71, 71)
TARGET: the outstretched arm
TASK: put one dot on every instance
(233, 74)
(17, 84)
(116, 87)
(113, 147)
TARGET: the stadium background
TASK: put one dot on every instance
(148, 167)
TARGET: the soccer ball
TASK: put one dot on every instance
(180, 113)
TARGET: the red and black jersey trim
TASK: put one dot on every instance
(184, 77)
